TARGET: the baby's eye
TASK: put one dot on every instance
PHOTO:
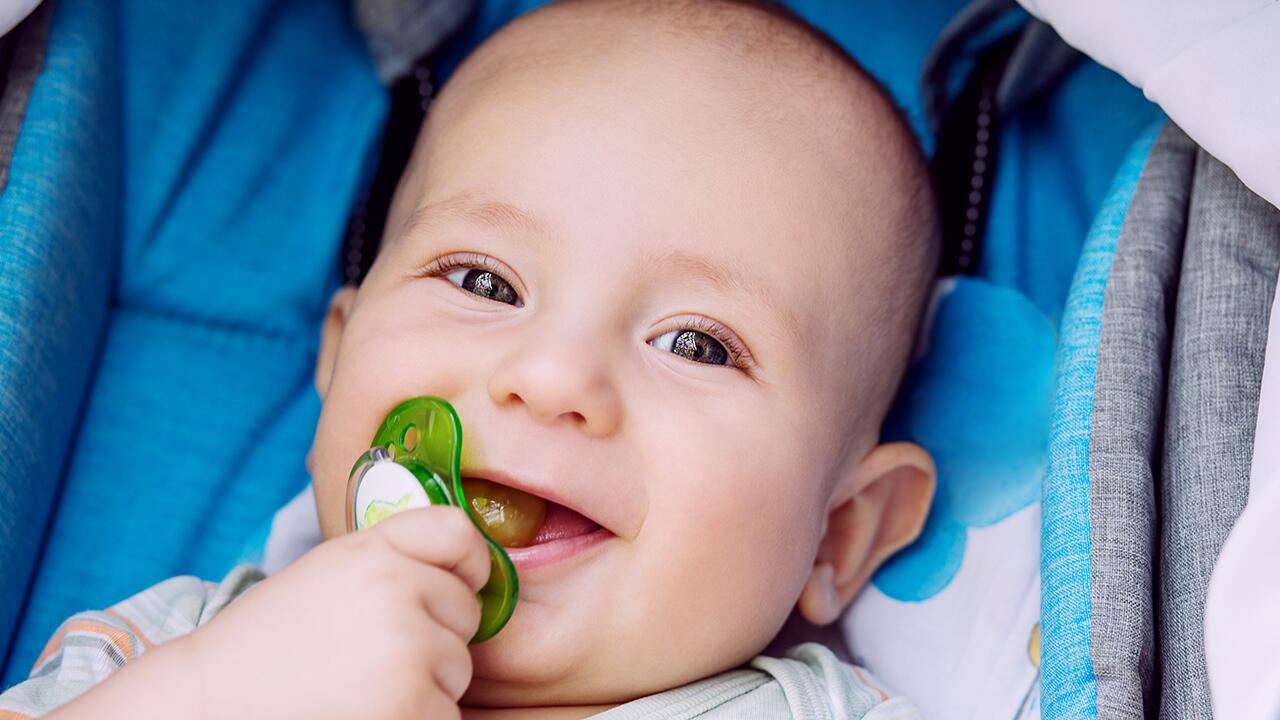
(485, 283)
(694, 345)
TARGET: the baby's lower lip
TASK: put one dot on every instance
(554, 551)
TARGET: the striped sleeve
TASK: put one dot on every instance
(90, 646)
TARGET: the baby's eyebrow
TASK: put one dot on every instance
(717, 275)
(496, 214)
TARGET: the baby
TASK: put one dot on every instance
(668, 259)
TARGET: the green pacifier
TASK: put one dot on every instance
(414, 462)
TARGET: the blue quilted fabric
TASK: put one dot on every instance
(58, 250)
(183, 177)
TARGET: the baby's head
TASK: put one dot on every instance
(667, 259)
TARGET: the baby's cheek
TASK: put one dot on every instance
(335, 442)
(748, 552)
(769, 544)
(747, 509)
(365, 387)
(382, 361)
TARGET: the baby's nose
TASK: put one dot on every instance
(560, 380)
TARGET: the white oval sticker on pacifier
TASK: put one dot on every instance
(383, 489)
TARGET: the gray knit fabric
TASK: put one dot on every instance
(1228, 281)
(1128, 417)
(1183, 337)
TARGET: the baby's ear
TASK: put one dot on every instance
(330, 333)
(875, 511)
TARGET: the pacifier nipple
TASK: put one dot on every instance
(511, 517)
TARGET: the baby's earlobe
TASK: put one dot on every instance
(820, 602)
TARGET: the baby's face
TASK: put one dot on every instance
(645, 311)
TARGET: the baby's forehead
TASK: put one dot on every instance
(753, 60)
(731, 138)
(786, 178)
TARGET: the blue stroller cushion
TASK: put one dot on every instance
(197, 160)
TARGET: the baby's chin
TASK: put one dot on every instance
(517, 680)
(540, 660)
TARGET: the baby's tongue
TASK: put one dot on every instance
(562, 523)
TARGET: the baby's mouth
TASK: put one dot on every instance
(514, 518)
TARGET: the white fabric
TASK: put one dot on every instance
(13, 12)
(294, 530)
(1242, 625)
(971, 652)
(1212, 65)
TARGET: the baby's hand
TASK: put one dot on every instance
(373, 625)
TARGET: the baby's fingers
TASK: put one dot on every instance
(441, 536)
(451, 669)
(449, 602)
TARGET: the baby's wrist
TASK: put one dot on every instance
(163, 683)
(182, 666)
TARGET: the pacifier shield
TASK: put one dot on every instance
(413, 462)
